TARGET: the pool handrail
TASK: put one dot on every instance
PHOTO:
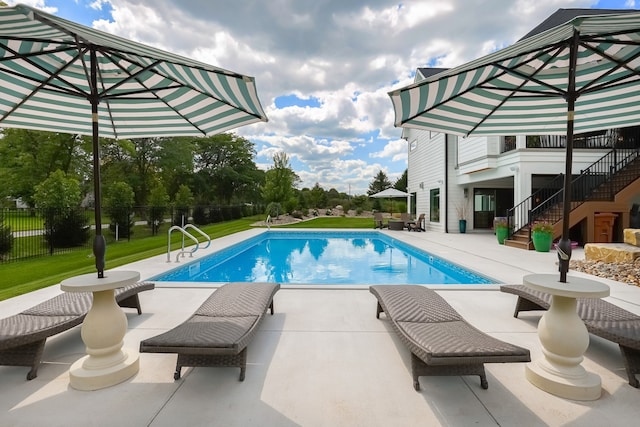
(182, 250)
(202, 233)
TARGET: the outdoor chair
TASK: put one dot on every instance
(405, 217)
(418, 225)
(378, 221)
(22, 336)
(218, 333)
(440, 340)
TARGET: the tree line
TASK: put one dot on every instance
(215, 170)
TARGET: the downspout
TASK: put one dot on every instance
(446, 182)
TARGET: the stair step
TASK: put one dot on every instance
(527, 245)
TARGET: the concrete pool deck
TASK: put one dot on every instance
(324, 359)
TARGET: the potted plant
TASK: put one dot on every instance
(461, 209)
(501, 228)
(542, 236)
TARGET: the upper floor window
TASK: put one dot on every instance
(509, 143)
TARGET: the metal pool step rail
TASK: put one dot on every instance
(184, 232)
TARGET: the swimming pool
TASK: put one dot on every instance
(323, 257)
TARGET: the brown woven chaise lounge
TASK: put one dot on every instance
(440, 340)
(601, 318)
(22, 336)
(218, 333)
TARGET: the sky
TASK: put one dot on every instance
(323, 68)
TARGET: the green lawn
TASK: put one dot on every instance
(24, 276)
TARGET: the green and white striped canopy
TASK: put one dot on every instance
(523, 89)
(45, 83)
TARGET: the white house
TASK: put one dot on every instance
(486, 177)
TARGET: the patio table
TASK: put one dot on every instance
(103, 330)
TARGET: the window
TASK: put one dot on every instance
(434, 205)
(413, 145)
(509, 143)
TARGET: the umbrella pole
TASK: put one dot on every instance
(99, 244)
(564, 245)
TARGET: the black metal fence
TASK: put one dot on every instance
(32, 232)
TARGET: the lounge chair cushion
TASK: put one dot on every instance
(440, 340)
(412, 304)
(239, 299)
(219, 331)
(65, 304)
(204, 332)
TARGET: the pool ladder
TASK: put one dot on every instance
(184, 232)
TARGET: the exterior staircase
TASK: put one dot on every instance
(606, 186)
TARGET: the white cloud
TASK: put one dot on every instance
(346, 54)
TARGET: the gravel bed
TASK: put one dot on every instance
(626, 272)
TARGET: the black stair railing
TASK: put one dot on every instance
(518, 217)
(596, 182)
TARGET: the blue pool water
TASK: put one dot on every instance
(323, 258)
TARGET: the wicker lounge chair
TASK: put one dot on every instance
(601, 318)
(440, 340)
(22, 336)
(218, 333)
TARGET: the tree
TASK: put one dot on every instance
(279, 180)
(119, 201)
(402, 182)
(226, 169)
(380, 183)
(135, 161)
(317, 196)
(28, 157)
(158, 204)
(175, 162)
(59, 198)
(182, 201)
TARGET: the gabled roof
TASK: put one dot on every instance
(561, 16)
(428, 72)
(558, 17)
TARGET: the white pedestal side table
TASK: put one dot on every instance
(103, 330)
(564, 338)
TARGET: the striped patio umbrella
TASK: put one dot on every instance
(580, 76)
(59, 76)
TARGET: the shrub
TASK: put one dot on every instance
(66, 228)
(200, 216)
(274, 209)
(542, 227)
(158, 204)
(500, 223)
(215, 214)
(182, 200)
(119, 202)
(65, 224)
(6, 239)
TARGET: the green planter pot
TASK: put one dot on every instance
(502, 233)
(542, 241)
(462, 225)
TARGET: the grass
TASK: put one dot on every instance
(25, 276)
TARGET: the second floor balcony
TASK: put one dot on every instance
(605, 139)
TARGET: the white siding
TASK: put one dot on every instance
(426, 170)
